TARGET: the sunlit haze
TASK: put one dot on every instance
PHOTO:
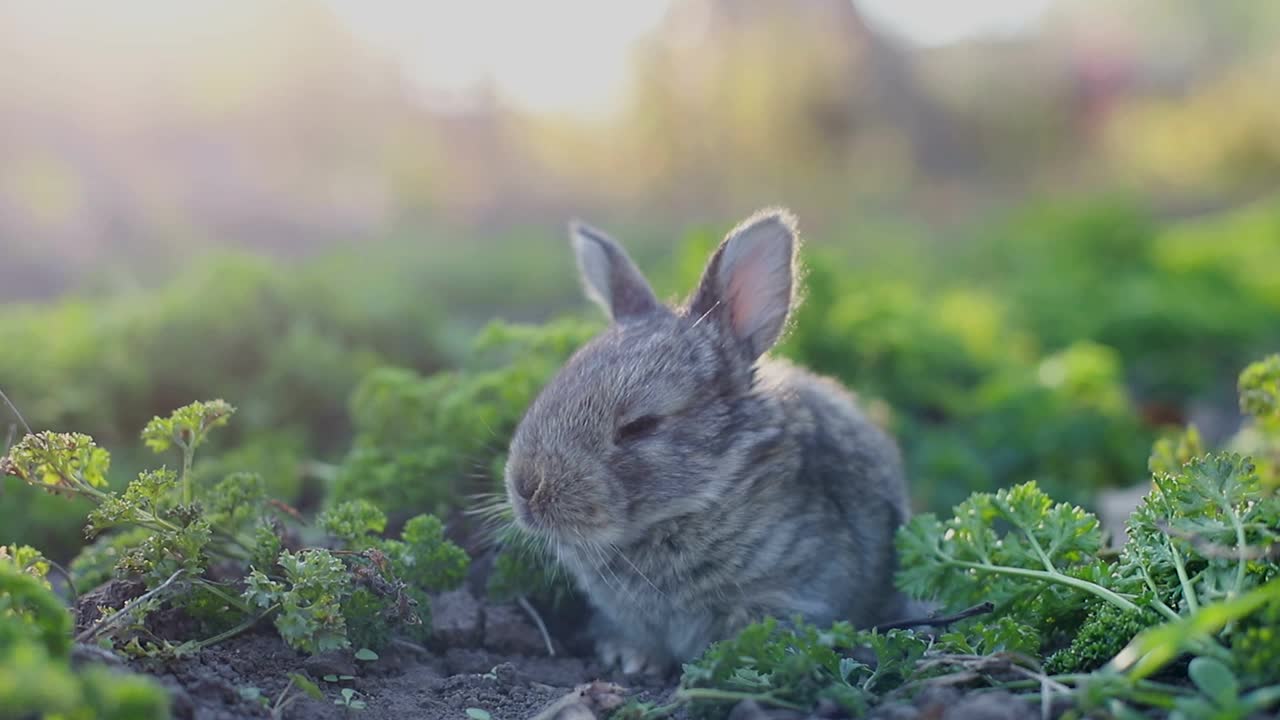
(571, 55)
(554, 55)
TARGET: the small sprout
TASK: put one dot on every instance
(254, 695)
(349, 700)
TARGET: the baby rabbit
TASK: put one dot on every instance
(692, 485)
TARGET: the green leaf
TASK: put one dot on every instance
(309, 688)
(1215, 679)
(366, 655)
(187, 426)
(351, 521)
(1259, 387)
(478, 714)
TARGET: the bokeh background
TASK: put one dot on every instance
(1038, 231)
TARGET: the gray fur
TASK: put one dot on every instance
(761, 490)
(609, 277)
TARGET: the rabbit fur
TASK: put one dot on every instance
(691, 484)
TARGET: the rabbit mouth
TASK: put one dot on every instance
(566, 530)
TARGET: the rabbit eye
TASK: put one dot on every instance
(637, 428)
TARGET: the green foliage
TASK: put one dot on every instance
(352, 521)
(289, 342)
(1260, 388)
(36, 678)
(419, 439)
(1037, 568)
(796, 666)
(421, 562)
(66, 462)
(309, 598)
(974, 403)
(167, 529)
(1260, 437)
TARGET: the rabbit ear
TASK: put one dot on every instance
(611, 280)
(748, 284)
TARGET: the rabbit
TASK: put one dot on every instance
(690, 484)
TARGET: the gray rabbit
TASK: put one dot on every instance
(692, 485)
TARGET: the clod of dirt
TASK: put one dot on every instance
(336, 662)
(456, 619)
(103, 600)
(507, 629)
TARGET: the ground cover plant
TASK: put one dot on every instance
(216, 579)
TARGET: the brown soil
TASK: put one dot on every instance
(485, 657)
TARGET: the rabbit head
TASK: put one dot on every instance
(658, 414)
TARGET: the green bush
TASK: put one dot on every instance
(423, 444)
(288, 344)
(36, 678)
(168, 529)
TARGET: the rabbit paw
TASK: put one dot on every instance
(632, 661)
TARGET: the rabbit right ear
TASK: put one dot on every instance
(611, 280)
(749, 283)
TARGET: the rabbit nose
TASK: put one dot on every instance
(526, 485)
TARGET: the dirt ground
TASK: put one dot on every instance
(489, 659)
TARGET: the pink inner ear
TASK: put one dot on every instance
(754, 291)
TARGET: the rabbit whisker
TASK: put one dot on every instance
(639, 572)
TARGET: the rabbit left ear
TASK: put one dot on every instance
(611, 280)
(749, 283)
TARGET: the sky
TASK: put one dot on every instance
(570, 56)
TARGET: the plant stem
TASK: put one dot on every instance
(187, 451)
(1188, 591)
(226, 634)
(537, 619)
(1159, 605)
(226, 597)
(1240, 544)
(1054, 577)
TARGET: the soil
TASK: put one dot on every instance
(485, 657)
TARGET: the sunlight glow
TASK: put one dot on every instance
(940, 22)
(548, 56)
(571, 56)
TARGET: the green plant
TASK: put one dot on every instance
(420, 439)
(36, 678)
(350, 700)
(174, 532)
(422, 561)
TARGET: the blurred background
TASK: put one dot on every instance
(1039, 231)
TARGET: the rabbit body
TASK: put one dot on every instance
(692, 485)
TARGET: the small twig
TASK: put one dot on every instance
(537, 619)
(939, 622)
(14, 408)
(400, 642)
(8, 439)
(107, 622)
(71, 584)
(594, 699)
